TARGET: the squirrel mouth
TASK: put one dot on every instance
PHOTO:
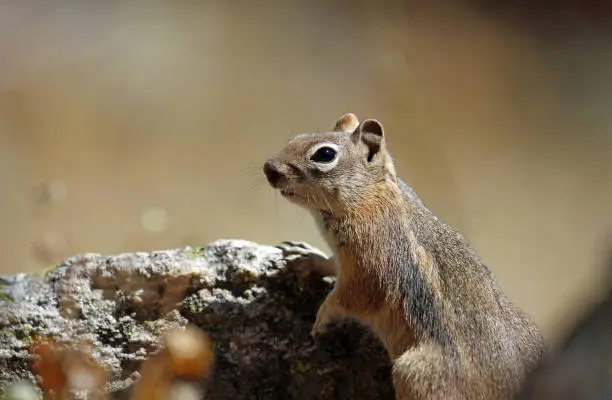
(287, 193)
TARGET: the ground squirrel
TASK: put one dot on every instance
(415, 281)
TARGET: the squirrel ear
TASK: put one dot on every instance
(346, 123)
(372, 134)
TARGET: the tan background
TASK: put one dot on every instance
(126, 126)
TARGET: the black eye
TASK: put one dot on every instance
(324, 155)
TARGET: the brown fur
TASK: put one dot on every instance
(415, 281)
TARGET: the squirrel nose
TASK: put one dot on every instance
(272, 173)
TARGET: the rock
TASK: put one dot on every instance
(257, 310)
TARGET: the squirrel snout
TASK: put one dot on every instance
(272, 174)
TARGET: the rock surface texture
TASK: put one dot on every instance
(256, 308)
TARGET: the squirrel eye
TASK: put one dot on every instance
(324, 155)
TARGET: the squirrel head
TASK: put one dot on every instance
(333, 171)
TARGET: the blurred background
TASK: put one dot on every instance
(129, 125)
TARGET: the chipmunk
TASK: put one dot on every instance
(413, 280)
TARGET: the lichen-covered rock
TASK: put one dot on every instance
(257, 310)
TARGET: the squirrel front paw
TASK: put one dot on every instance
(325, 314)
(320, 325)
(307, 258)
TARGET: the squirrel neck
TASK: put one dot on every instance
(366, 220)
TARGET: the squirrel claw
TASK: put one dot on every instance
(307, 258)
(318, 329)
(322, 321)
(314, 334)
(294, 249)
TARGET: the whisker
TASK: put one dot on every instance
(326, 202)
(254, 183)
(252, 172)
(254, 167)
(275, 194)
(254, 177)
